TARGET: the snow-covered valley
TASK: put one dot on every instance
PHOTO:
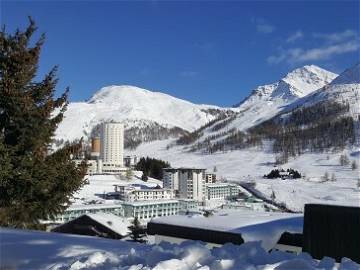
(143, 111)
(251, 165)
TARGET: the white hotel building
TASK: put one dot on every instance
(171, 178)
(188, 183)
(112, 147)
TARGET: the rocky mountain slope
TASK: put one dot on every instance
(265, 102)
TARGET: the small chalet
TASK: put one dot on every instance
(101, 224)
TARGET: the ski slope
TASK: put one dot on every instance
(251, 164)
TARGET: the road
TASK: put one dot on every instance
(250, 187)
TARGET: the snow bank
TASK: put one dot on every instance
(20, 249)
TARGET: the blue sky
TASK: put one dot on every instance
(205, 52)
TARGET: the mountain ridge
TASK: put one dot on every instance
(129, 105)
(156, 116)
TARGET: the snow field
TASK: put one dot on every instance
(251, 165)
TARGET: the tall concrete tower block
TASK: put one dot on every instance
(112, 144)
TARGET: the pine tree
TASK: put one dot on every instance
(137, 231)
(34, 183)
(344, 160)
(144, 177)
(325, 178)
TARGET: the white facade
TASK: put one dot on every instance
(112, 145)
(192, 183)
(149, 195)
(171, 178)
(221, 191)
(151, 209)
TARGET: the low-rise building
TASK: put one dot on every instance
(130, 161)
(123, 190)
(187, 205)
(75, 211)
(130, 209)
(131, 193)
(149, 194)
(151, 209)
(221, 191)
(100, 224)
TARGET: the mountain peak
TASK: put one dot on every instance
(307, 79)
(117, 92)
(297, 83)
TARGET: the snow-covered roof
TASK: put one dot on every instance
(219, 185)
(150, 202)
(252, 225)
(94, 206)
(115, 223)
(152, 189)
(184, 168)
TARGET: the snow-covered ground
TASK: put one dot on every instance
(31, 250)
(101, 184)
(252, 164)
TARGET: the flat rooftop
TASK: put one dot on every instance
(251, 225)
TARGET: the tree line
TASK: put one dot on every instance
(152, 167)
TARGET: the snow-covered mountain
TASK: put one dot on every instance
(152, 116)
(267, 100)
(136, 108)
(343, 89)
(324, 123)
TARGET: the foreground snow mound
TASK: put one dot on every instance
(38, 250)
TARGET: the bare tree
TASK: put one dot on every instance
(273, 196)
(325, 177)
(344, 160)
